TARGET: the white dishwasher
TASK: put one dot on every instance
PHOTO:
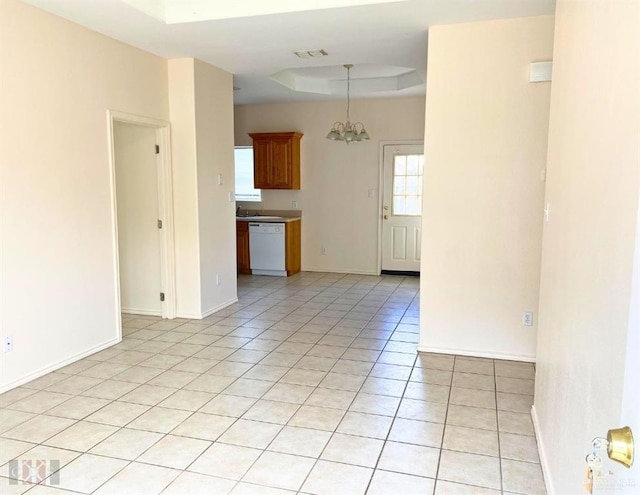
(266, 249)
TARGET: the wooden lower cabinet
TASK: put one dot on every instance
(242, 247)
(292, 240)
(292, 235)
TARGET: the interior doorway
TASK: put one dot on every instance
(401, 215)
(142, 215)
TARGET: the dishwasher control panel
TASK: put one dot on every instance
(266, 228)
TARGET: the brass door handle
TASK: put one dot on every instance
(620, 445)
(386, 217)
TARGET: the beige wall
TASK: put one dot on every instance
(485, 146)
(337, 212)
(587, 264)
(201, 98)
(216, 213)
(185, 184)
(58, 297)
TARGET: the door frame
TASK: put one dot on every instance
(382, 144)
(165, 203)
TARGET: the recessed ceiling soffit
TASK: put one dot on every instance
(365, 79)
(184, 11)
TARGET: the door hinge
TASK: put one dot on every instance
(157, 149)
(159, 224)
(162, 296)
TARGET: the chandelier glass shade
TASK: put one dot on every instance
(346, 131)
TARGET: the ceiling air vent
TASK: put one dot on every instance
(310, 53)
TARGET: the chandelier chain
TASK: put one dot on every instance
(348, 90)
(346, 131)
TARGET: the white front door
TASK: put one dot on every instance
(137, 205)
(403, 167)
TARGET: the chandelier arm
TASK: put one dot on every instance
(346, 131)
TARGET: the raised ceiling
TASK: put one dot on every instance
(255, 40)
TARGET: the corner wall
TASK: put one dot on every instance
(587, 300)
(216, 212)
(182, 101)
(485, 152)
(201, 99)
(57, 271)
(335, 178)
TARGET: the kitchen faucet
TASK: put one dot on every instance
(237, 210)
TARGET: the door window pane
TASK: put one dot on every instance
(399, 185)
(407, 185)
(413, 165)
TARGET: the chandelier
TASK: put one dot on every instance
(347, 131)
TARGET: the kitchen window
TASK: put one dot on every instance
(243, 158)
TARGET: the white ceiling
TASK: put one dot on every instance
(254, 39)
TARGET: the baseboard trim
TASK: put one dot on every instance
(144, 312)
(477, 353)
(56, 366)
(208, 312)
(333, 270)
(544, 461)
(226, 304)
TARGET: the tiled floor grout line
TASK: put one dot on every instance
(495, 394)
(193, 412)
(299, 407)
(404, 389)
(444, 426)
(237, 482)
(335, 297)
(346, 410)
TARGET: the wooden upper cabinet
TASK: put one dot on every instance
(276, 160)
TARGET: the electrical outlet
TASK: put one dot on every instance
(527, 319)
(217, 279)
(323, 250)
(294, 204)
(7, 343)
(219, 179)
(372, 193)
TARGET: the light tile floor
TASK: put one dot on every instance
(309, 385)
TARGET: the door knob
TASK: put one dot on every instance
(386, 217)
(620, 445)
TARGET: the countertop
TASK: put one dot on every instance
(268, 216)
(267, 219)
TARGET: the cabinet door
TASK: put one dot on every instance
(292, 243)
(242, 247)
(261, 163)
(280, 164)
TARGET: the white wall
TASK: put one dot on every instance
(136, 171)
(335, 178)
(58, 297)
(485, 150)
(588, 249)
(216, 213)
